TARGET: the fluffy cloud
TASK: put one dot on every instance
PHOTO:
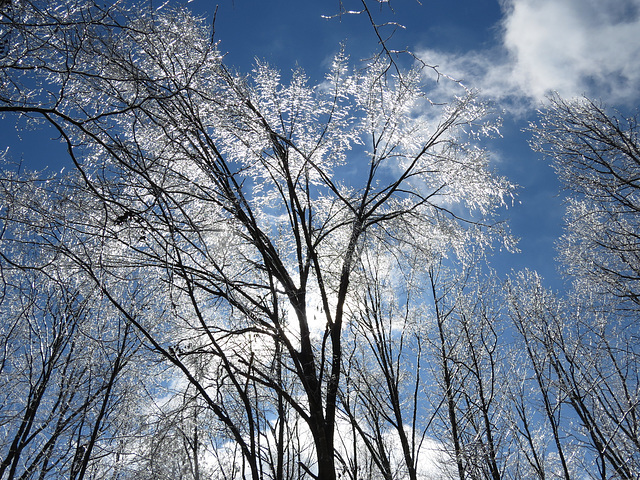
(574, 47)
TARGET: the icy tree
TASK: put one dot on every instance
(597, 157)
(584, 348)
(246, 212)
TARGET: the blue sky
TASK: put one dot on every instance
(514, 51)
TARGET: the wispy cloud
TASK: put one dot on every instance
(574, 47)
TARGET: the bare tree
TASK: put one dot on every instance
(597, 157)
(534, 312)
(221, 202)
(585, 368)
(468, 344)
(588, 339)
(64, 356)
(383, 394)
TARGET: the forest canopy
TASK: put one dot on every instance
(255, 275)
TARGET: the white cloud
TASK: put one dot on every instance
(574, 47)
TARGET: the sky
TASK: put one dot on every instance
(513, 51)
